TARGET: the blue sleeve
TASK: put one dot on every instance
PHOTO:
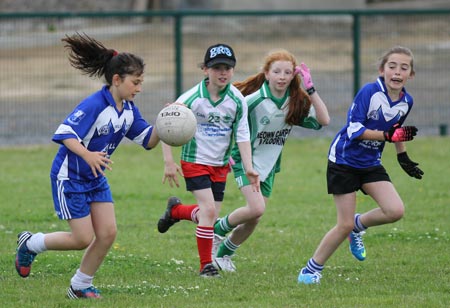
(140, 131)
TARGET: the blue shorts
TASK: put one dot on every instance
(72, 199)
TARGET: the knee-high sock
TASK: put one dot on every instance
(205, 237)
(227, 248)
(222, 226)
(185, 212)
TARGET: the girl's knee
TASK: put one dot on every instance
(108, 236)
(210, 211)
(83, 242)
(345, 228)
(258, 212)
(397, 213)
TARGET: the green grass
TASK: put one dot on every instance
(407, 263)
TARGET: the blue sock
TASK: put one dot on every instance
(312, 266)
(358, 225)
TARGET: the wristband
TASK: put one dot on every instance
(311, 90)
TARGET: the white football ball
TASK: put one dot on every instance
(176, 125)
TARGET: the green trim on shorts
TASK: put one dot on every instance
(265, 187)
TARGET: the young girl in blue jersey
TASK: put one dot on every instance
(88, 136)
(221, 119)
(276, 103)
(376, 116)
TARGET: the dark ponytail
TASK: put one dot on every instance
(94, 59)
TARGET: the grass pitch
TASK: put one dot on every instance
(406, 265)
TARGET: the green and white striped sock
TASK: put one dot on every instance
(227, 248)
(222, 226)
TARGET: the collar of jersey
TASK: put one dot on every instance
(108, 97)
(265, 92)
(205, 93)
(382, 86)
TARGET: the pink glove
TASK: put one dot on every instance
(400, 134)
(231, 163)
(303, 70)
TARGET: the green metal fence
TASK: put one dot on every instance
(38, 87)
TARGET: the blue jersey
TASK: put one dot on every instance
(371, 109)
(99, 126)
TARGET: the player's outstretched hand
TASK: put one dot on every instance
(400, 134)
(304, 71)
(171, 172)
(409, 166)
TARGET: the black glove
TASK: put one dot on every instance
(400, 134)
(409, 166)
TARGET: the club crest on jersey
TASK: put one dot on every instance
(227, 118)
(104, 130)
(264, 120)
(374, 115)
(76, 117)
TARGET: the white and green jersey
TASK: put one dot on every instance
(268, 130)
(219, 124)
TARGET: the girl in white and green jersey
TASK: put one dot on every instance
(276, 103)
(221, 121)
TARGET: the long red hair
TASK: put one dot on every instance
(299, 102)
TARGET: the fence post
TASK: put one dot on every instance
(442, 129)
(178, 54)
(356, 52)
